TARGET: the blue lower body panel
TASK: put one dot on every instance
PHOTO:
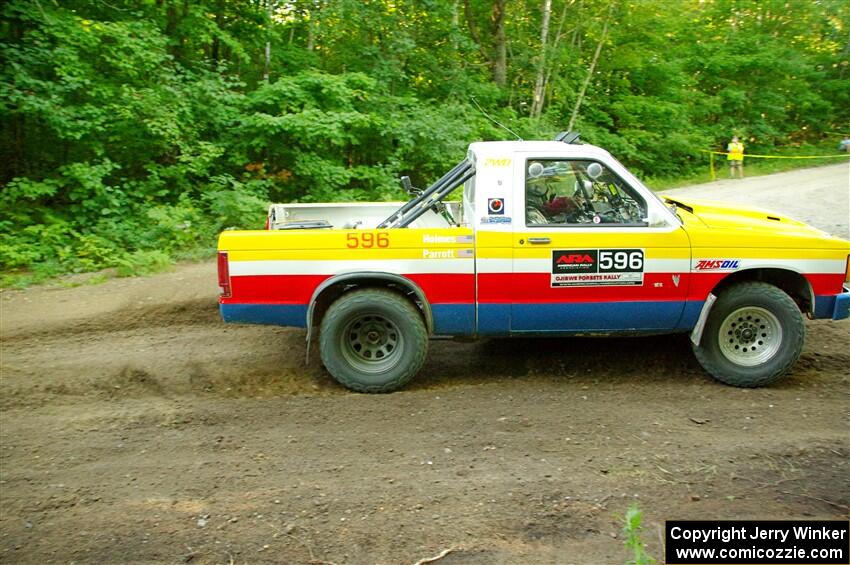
(504, 319)
(836, 306)
(494, 319)
(583, 317)
(294, 315)
(449, 319)
(453, 319)
(596, 316)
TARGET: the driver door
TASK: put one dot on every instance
(585, 258)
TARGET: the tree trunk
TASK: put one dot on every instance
(455, 24)
(313, 23)
(576, 43)
(551, 69)
(215, 50)
(591, 69)
(500, 43)
(268, 55)
(470, 22)
(539, 83)
(171, 20)
(311, 34)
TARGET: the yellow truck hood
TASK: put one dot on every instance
(734, 221)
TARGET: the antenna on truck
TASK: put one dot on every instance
(492, 119)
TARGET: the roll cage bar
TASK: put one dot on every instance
(432, 197)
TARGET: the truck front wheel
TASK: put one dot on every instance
(753, 335)
(373, 340)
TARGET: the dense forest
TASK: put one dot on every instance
(134, 130)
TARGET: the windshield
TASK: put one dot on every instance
(648, 192)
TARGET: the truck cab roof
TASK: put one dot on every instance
(491, 149)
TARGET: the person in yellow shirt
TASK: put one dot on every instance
(735, 157)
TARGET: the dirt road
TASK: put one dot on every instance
(819, 196)
(138, 428)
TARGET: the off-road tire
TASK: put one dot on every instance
(400, 338)
(770, 310)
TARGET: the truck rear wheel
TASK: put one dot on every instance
(753, 335)
(373, 340)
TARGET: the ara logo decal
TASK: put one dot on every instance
(496, 206)
(574, 258)
(574, 261)
(717, 264)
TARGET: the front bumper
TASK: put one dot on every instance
(841, 310)
(833, 306)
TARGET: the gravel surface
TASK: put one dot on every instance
(819, 196)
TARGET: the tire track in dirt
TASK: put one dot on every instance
(197, 312)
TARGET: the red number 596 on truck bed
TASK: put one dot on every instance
(551, 238)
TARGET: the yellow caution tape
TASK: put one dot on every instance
(780, 156)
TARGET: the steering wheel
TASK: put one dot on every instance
(584, 199)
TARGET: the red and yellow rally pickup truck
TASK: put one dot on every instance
(551, 238)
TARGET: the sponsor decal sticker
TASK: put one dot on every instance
(496, 220)
(496, 206)
(428, 238)
(491, 162)
(441, 254)
(717, 264)
(597, 267)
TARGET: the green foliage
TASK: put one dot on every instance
(143, 263)
(632, 528)
(134, 131)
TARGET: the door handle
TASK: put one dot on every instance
(539, 240)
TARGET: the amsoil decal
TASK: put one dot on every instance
(597, 267)
(715, 264)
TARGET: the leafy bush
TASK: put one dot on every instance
(133, 130)
(143, 263)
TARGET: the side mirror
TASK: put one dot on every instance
(408, 186)
(655, 218)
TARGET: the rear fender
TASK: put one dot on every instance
(367, 279)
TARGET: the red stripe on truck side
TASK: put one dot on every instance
(535, 288)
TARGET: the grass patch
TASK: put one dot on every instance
(144, 263)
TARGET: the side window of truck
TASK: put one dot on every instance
(578, 193)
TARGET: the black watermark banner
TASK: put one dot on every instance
(766, 542)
